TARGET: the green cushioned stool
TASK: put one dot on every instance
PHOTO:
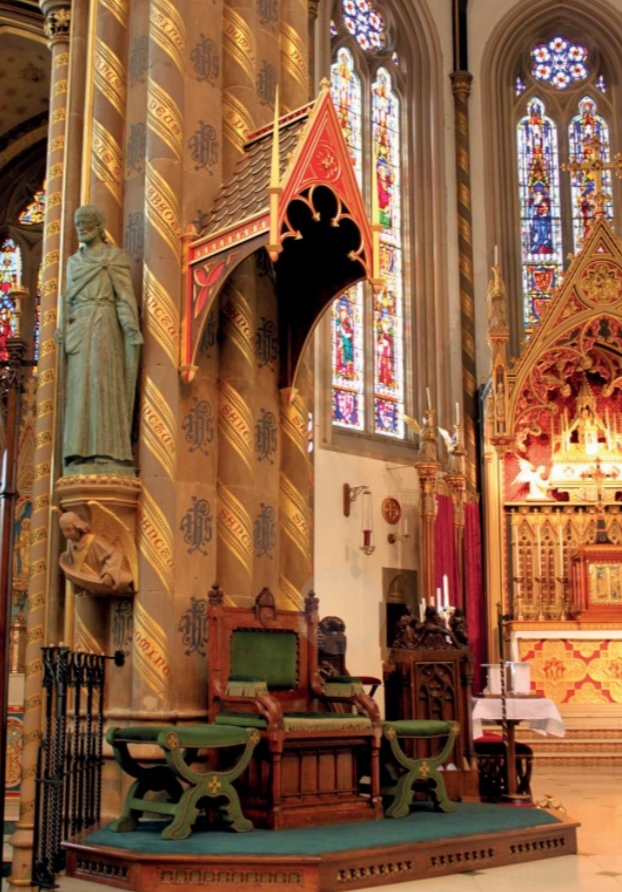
(418, 769)
(183, 784)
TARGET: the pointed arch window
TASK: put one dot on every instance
(562, 113)
(368, 329)
(34, 212)
(10, 276)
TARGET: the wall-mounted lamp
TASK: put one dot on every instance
(392, 538)
(351, 494)
(367, 531)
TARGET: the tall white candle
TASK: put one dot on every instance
(421, 611)
(496, 255)
(457, 413)
(427, 391)
(445, 592)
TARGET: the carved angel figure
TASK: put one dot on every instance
(534, 478)
(412, 423)
(450, 440)
(101, 562)
(454, 453)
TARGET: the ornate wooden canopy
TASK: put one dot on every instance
(297, 198)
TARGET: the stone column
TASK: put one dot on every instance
(109, 112)
(294, 79)
(268, 74)
(42, 574)
(296, 488)
(461, 86)
(236, 477)
(239, 78)
(266, 437)
(153, 696)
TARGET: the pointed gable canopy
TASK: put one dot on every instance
(580, 331)
(299, 200)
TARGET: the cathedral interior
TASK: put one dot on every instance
(310, 321)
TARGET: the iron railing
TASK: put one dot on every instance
(70, 761)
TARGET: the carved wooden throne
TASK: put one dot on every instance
(313, 765)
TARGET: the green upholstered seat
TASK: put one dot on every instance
(184, 783)
(420, 728)
(416, 770)
(299, 721)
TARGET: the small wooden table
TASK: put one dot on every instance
(539, 712)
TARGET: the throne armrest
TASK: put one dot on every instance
(262, 704)
(347, 689)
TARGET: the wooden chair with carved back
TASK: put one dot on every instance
(308, 766)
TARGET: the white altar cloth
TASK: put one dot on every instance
(540, 713)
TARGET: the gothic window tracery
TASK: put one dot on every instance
(560, 108)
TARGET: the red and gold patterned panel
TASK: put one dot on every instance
(573, 671)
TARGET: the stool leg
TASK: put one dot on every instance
(211, 785)
(418, 769)
(153, 778)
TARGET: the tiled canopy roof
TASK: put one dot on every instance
(245, 195)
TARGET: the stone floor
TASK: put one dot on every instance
(593, 797)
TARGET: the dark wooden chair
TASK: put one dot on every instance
(309, 765)
(428, 677)
(491, 763)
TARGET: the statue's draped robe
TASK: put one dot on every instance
(102, 340)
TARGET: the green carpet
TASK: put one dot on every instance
(422, 824)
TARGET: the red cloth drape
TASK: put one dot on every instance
(475, 607)
(445, 558)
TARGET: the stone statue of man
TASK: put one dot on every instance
(102, 344)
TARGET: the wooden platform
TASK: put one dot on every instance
(323, 872)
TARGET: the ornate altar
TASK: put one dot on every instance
(428, 676)
(553, 457)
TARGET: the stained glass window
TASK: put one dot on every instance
(10, 275)
(388, 371)
(368, 329)
(584, 127)
(348, 402)
(34, 212)
(346, 93)
(559, 62)
(364, 23)
(541, 239)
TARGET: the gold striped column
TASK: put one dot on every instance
(267, 439)
(42, 573)
(154, 605)
(295, 492)
(294, 79)
(239, 78)
(109, 112)
(236, 478)
(267, 60)
(461, 86)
